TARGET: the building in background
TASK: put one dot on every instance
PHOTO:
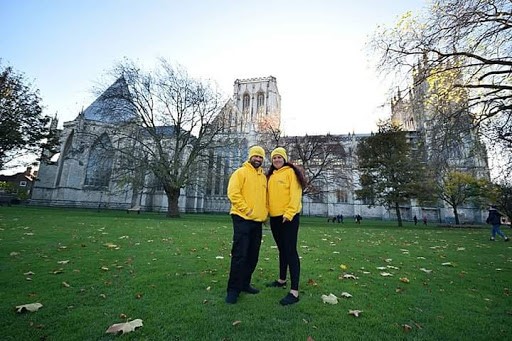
(81, 174)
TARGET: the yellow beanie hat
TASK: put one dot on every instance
(279, 151)
(256, 151)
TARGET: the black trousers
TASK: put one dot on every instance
(285, 236)
(244, 253)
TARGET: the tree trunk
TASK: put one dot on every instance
(456, 214)
(398, 215)
(172, 203)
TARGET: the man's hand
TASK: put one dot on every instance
(285, 219)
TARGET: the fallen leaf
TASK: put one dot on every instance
(14, 254)
(236, 323)
(355, 312)
(386, 274)
(30, 273)
(407, 328)
(310, 339)
(63, 262)
(345, 294)
(426, 270)
(447, 264)
(404, 279)
(28, 307)
(349, 276)
(110, 245)
(219, 257)
(312, 282)
(331, 299)
(343, 267)
(125, 327)
(66, 285)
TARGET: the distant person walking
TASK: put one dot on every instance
(494, 219)
(415, 220)
(247, 191)
(424, 220)
(285, 185)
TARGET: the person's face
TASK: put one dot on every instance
(277, 161)
(256, 161)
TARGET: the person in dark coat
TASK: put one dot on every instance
(494, 219)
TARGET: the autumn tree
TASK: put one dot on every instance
(458, 188)
(23, 128)
(390, 175)
(168, 127)
(503, 198)
(466, 46)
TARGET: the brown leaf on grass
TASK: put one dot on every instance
(356, 313)
(123, 316)
(236, 323)
(312, 282)
(404, 280)
(310, 339)
(125, 327)
(28, 307)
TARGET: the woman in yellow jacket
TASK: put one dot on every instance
(285, 185)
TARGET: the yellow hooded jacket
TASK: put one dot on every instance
(247, 190)
(284, 193)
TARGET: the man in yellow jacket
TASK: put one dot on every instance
(247, 191)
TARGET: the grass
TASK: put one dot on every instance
(169, 274)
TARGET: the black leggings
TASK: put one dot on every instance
(285, 236)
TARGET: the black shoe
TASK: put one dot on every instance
(289, 299)
(276, 284)
(492, 239)
(507, 239)
(231, 297)
(250, 290)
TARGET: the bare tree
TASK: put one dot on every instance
(163, 121)
(466, 46)
(324, 161)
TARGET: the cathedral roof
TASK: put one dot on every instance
(113, 105)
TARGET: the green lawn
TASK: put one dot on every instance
(93, 269)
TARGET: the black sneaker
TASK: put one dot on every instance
(289, 299)
(231, 297)
(276, 284)
(250, 290)
(507, 239)
(492, 239)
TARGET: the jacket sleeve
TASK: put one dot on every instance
(295, 197)
(236, 182)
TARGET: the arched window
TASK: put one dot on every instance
(261, 100)
(247, 100)
(64, 155)
(99, 165)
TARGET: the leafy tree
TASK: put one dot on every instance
(503, 199)
(466, 46)
(458, 188)
(23, 129)
(168, 127)
(389, 175)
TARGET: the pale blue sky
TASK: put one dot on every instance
(313, 48)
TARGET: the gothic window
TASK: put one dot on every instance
(261, 100)
(226, 176)
(341, 195)
(218, 175)
(210, 173)
(246, 102)
(99, 165)
(64, 156)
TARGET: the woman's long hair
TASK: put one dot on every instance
(300, 176)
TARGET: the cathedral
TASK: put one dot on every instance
(82, 174)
